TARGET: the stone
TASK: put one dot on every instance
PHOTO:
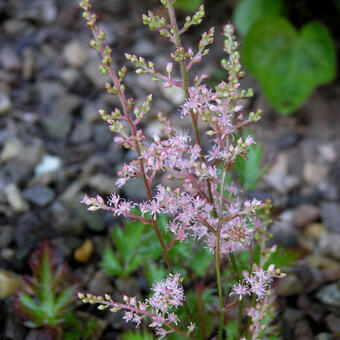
(281, 183)
(11, 149)
(303, 331)
(288, 140)
(99, 284)
(15, 199)
(330, 214)
(9, 284)
(69, 76)
(48, 163)
(5, 103)
(6, 235)
(49, 90)
(81, 133)
(174, 95)
(330, 295)
(333, 323)
(94, 75)
(329, 244)
(305, 214)
(38, 334)
(75, 53)
(289, 285)
(28, 63)
(9, 60)
(84, 251)
(327, 153)
(39, 195)
(314, 174)
(324, 336)
(292, 315)
(145, 48)
(102, 183)
(135, 189)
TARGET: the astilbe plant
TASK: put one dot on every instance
(204, 206)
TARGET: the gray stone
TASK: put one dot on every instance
(330, 295)
(12, 148)
(49, 163)
(6, 235)
(9, 60)
(14, 198)
(305, 214)
(135, 189)
(94, 75)
(144, 48)
(292, 315)
(330, 214)
(303, 331)
(100, 285)
(175, 95)
(75, 53)
(327, 153)
(49, 90)
(39, 195)
(314, 174)
(333, 323)
(102, 183)
(329, 244)
(5, 103)
(290, 285)
(81, 133)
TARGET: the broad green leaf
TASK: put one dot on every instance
(283, 257)
(201, 261)
(188, 5)
(154, 272)
(137, 336)
(231, 330)
(248, 11)
(110, 263)
(289, 64)
(249, 171)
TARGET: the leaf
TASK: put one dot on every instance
(283, 257)
(154, 272)
(231, 330)
(248, 11)
(137, 336)
(249, 170)
(201, 261)
(289, 64)
(110, 263)
(188, 5)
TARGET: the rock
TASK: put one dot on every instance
(305, 214)
(173, 94)
(311, 236)
(94, 75)
(327, 153)
(59, 122)
(6, 235)
(135, 189)
(99, 284)
(9, 284)
(75, 53)
(84, 251)
(14, 198)
(315, 174)
(329, 244)
(38, 334)
(69, 76)
(292, 315)
(28, 63)
(102, 135)
(49, 90)
(102, 183)
(9, 60)
(5, 103)
(288, 140)
(72, 192)
(48, 163)
(314, 310)
(39, 195)
(330, 295)
(330, 214)
(333, 323)
(145, 48)
(303, 331)
(281, 183)
(329, 268)
(11, 149)
(14, 329)
(323, 336)
(290, 285)
(81, 133)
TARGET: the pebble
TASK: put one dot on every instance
(314, 174)
(281, 183)
(48, 163)
(6, 235)
(327, 153)
(99, 284)
(329, 244)
(174, 95)
(330, 214)
(9, 284)
(303, 331)
(330, 295)
(288, 140)
(39, 195)
(102, 183)
(290, 285)
(81, 133)
(333, 323)
(135, 189)
(145, 48)
(28, 63)
(11, 149)
(15, 199)
(305, 214)
(84, 251)
(10, 60)
(94, 75)
(76, 53)
(5, 103)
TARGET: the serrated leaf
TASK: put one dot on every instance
(288, 64)
(248, 11)
(188, 5)
(249, 170)
(110, 263)
(154, 272)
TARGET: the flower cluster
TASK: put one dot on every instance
(258, 282)
(160, 308)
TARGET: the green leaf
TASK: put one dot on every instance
(201, 261)
(188, 5)
(110, 263)
(137, 336)
(249, 171)
(154, 272)
(289, 64)
(231, 330)
(248, 11)
(283, 257)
